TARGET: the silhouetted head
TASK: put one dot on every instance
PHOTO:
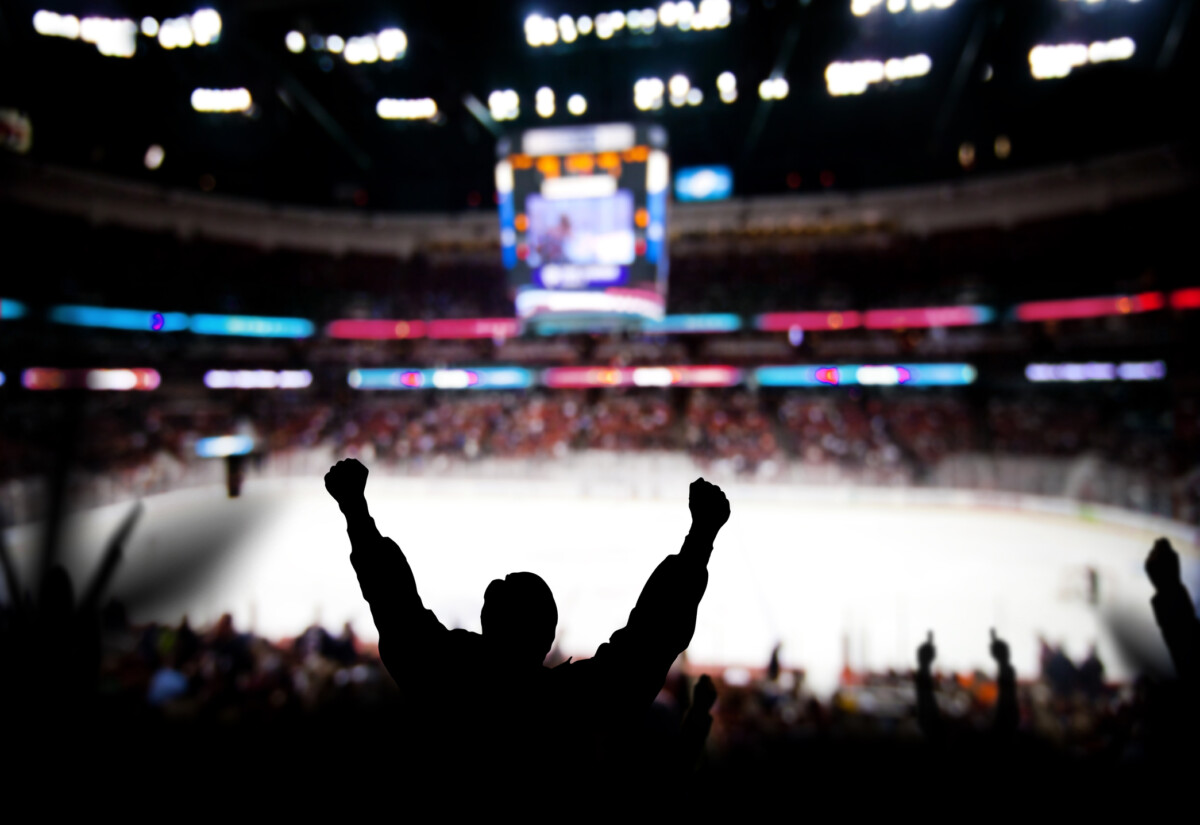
(519, 616)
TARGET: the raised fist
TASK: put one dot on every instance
(926, 653)
(346, 481)
(710, 508)
(999, 649)
(1162, 565)
(704, 694)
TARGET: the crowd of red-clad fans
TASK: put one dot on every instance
(902, 438)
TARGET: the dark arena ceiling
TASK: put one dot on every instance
(313, 135)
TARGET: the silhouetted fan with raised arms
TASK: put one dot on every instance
(484, 703)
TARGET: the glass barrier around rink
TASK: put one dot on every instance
(1071, 484)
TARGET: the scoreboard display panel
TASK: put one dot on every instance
(583, 214)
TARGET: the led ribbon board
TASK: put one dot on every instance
(468, 378)
(50, 378)
(1090, 307)
(683, 376)
(880, 375)
(1097, 371)
(10, 309)
(251, 326)
(712, 322)
(148, 320)
(257, 379)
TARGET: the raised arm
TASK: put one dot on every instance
(1007, 713)
(408, 633)
(661, 625)
(927, 710)
(1174, 611)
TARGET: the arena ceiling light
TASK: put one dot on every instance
(112, 37)
(504, 104)
(422, 108)
(684, 16)
(854, 77)
(861, 8)
(154, 157)
(678, 87)
(202, 28)
(221, 100)
(648, 93)
(577, 104)
(1056, 61)
(773, 88)
(544, 102)
(727, 87)
(387, 45)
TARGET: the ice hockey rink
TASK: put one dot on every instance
(834, 579)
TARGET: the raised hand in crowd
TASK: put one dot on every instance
(1175, 612)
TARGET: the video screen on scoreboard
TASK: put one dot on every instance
(583, 222)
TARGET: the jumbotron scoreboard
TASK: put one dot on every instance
(583, 224)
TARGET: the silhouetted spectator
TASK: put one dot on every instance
(528, 723)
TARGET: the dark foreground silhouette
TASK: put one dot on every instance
(492, 704)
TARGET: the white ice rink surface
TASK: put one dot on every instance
(823, 579)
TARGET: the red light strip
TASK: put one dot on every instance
(924, 317)
(375, 329)
(808, 321)
(1090, 307)
(1186, 298)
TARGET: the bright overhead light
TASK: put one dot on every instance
(295, 42)
(773, 88)
(175, 33)
(544, 102)
(49, 24)
(504, 104)
(221, 100)
(584, 24)
(726, 81)
(149, 27)
(335, 44)
(648, 93)
(853, 78)
(392, 43)
(576, 104)
(899, 68)
(685, 12)
(667, 14)
(154, 157)
(390, 108)
(679, 85)
(695, 97)
(566, 29)
(361, 50)
(112, 38)
(206, 26)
